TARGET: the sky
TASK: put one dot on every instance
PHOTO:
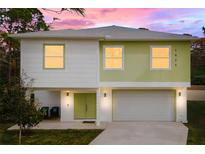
(166, 20)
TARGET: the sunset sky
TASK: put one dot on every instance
(167, 20)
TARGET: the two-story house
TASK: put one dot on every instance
(109, 73)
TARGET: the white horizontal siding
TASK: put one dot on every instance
(81, 63)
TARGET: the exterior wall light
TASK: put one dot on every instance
(67, 93)
(180, 94)
(105, 95)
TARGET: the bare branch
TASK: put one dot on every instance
(79, 11)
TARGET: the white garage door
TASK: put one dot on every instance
(137, 105)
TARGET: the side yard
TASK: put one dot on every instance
(48, 137)
(196, 122)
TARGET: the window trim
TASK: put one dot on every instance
(170, 59)
(47, 44)
(104, 58)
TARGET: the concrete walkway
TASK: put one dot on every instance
(139, 133)
(56, 124)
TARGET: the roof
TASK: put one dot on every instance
(106, 33)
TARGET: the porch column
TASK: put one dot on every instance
(67, 106)
(106, 104)
(181, 105)
(98, 107)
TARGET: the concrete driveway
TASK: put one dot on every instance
(147, 133)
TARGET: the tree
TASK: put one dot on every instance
(198, 62)
(16, 20)
(18, 107)
(203, 29)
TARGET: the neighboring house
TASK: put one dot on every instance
(196, 93)
(109, 73)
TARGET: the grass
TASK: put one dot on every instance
(196, 122)
(48, 137)
(3, 127)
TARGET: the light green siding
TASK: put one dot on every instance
(137, 63)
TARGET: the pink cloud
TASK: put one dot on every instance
(167, 20)
(104, 11)
(103, 17)
(119, 16)
(72, 24)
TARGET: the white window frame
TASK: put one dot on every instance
(104, 58)
(161, 46)
(50, 44)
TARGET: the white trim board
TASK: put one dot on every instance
(120, 85)
(144, 84)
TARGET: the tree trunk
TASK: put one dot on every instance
(20, 131)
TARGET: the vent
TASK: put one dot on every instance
(142, 28)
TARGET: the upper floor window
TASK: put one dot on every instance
(113, 57)
(53, 56)
(160, 57)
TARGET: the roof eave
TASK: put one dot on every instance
(147, 39)
(56, 37)
(102, 38)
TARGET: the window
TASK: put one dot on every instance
(53, 56)
(160, 58)
(113, 57)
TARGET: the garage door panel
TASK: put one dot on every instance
(143, 106)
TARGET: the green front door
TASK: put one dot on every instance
(84, 105)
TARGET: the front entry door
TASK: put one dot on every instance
(84, 105)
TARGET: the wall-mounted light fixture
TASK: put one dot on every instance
(67, 93)
(105, 94)
(180, 94)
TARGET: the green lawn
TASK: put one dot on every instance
(50, 137)
(196, 122)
